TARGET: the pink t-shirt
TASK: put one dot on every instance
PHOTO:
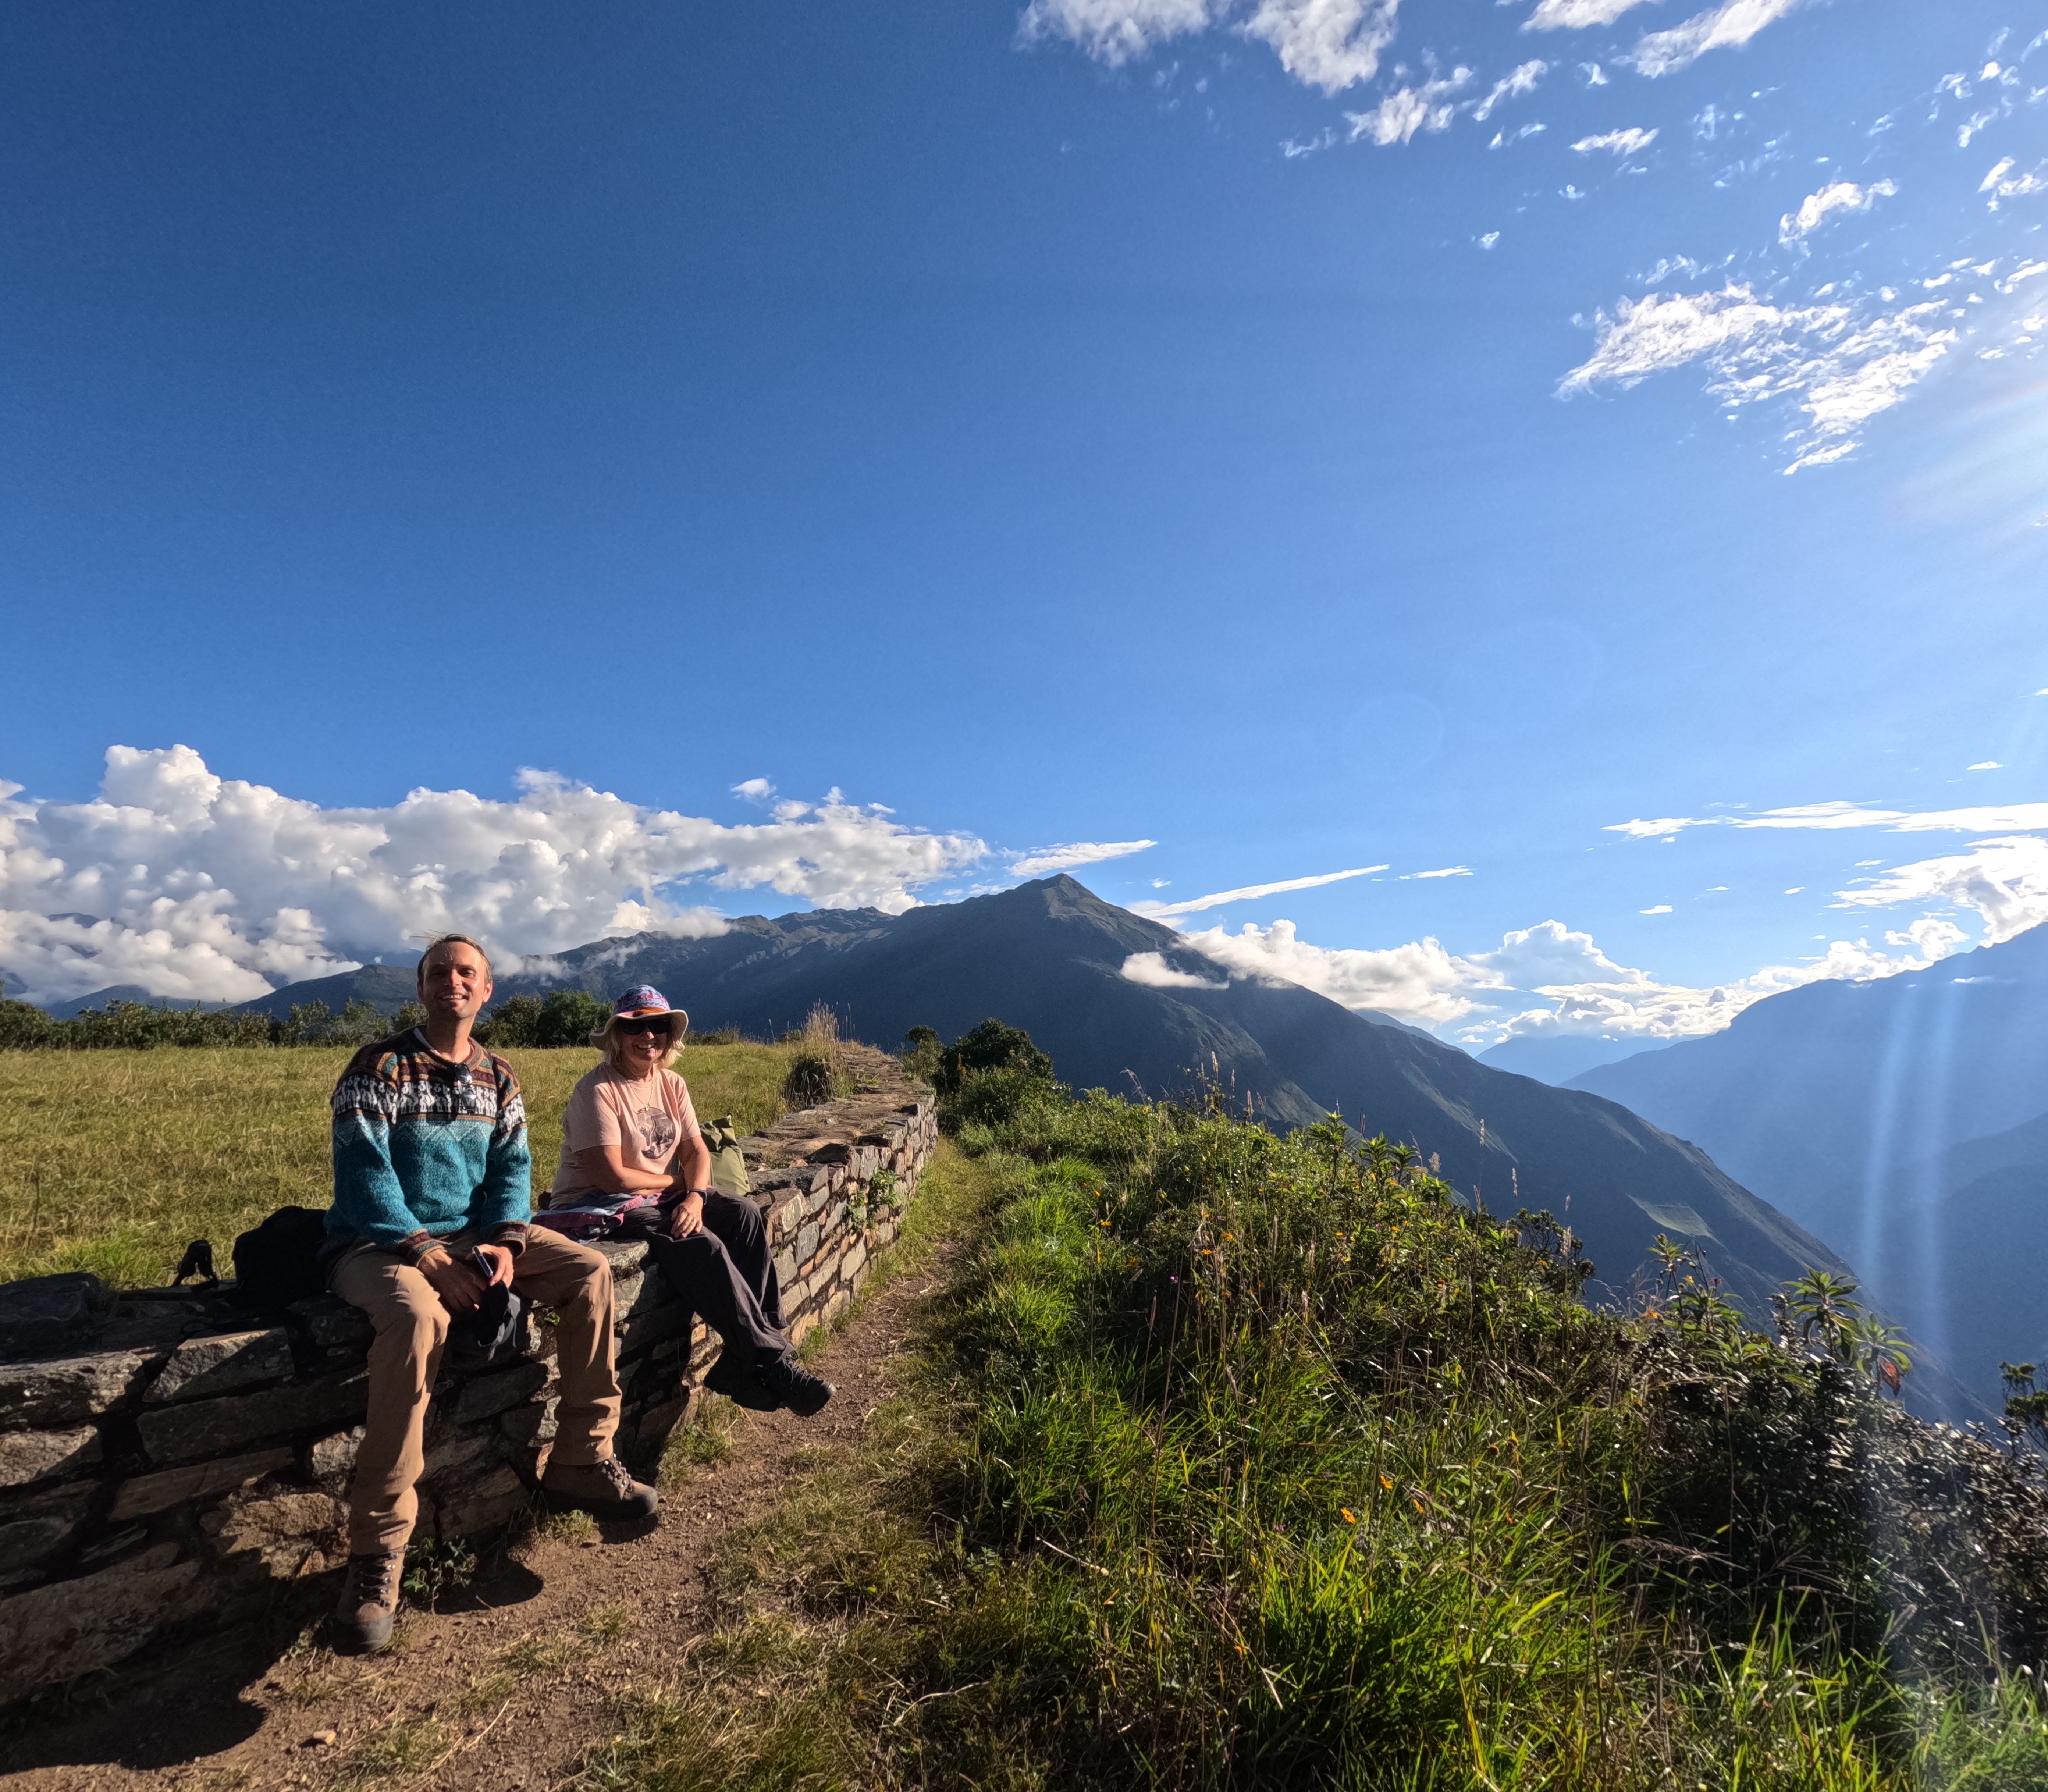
(648, 1117)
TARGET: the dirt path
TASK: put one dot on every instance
(505, 1687)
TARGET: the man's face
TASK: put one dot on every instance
(455, 982)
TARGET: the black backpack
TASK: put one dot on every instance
(278, 1262)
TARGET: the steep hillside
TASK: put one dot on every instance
(1557, 1060)
(1050, 956)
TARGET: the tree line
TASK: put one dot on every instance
(565, 1017)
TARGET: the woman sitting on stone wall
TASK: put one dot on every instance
(634, 1164)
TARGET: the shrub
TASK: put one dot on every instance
(922, 1047)
(990, 1046)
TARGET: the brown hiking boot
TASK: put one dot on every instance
(369, 1603)
(602, 1488)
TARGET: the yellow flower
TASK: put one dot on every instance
(1348, 1518)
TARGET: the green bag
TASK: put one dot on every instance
(728, 1163)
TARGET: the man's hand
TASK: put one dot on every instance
(688, 1216)
(500, 1260)
(459, 1284)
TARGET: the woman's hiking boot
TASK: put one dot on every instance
(369, 1603)
(602, 1488)
(794, 1386)
(741, 1383)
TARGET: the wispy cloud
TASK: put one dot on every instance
(1151, 969)
(1577, 15)
(1837, 195)
(1842, 367)
(1618, 142)
(1047, 859)
(2003, 881)
(1166, 911)
(1446, 871)
(200, 887)
(1827, 817)
(1727, 26)
(1402, 113)
(2002, 184)
(1517, 81)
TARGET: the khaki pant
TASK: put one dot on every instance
(412, 1326)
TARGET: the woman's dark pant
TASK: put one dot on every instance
(727, 1275)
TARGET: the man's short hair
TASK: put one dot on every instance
(440, 940)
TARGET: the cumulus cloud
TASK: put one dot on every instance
(1827, 817)
(1577, 15)
(1113, 32)
(1840, 367)
(1325, 44)
(1547, 979)
(200, 887)
(753, 790)
(1620, 142)
(1049, 859)
(1816, 208)
(1402, 113)
(1727, 26)
(1517, 81)
(2003, 881)
(1166, 911)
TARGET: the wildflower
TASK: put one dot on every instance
(1346, 1512)
(1384, 1482)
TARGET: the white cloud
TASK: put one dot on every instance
(1114, 31)
(2002, 881)
(1447, 871)
(1166, 911)
(1050, 859)
(1151, 969)
(1732, 23)
(1662, 908)
(1842, 369)
(1544, 979)
(1987, 764)
(1511, 86)
(1837, 195)
(1827, 817)
(1621, 142)
(2002, 184)
(1325, 44)
(1402, 114)
(754, 790)
(210, 888)
(1420, 982)
(1577, 15)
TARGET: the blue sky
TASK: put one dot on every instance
(1120, 420)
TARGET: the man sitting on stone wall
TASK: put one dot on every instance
(431, 1198)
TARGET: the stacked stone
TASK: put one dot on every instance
(166, 1467)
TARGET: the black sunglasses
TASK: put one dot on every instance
(662, 1028)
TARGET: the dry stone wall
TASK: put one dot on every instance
(169, 1466)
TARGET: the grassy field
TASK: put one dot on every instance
(114, 1161)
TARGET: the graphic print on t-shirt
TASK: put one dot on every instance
(658, 1130)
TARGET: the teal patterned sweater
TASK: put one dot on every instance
(424, 1148)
